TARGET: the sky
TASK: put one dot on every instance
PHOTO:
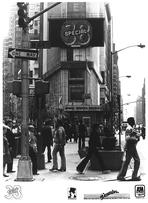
(130, 28)
(129, 20)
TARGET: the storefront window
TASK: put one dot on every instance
(76, 92)
(76, 73)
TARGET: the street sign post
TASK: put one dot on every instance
(24, 172)
(23, 54)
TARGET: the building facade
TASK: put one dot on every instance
(78, 69)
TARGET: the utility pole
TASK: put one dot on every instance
(24, 172)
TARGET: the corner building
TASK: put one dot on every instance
(77, 64)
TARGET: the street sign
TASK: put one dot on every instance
(35, 44)
(23, 54)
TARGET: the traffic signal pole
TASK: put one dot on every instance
(24, 172)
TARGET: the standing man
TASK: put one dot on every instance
(6, 151)
(11, 140)
(33, 149)
(132, 137)
(59, 146)
(47, 139)
(82, 134)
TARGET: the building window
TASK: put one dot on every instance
(36, 22)
(102, 101)
(35, 32)
(76, 85)
(76, 92)
(36, 71)
(76, 73)
(30, 75)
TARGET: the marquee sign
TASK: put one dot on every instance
(83, 108)
(71, 33)
(76, 33)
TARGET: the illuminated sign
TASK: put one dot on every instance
(88, 32)
(76, 33)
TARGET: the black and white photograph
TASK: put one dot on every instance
(74, 100)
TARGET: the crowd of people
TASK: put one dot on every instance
(54, 138)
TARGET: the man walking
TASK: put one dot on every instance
(132, 138)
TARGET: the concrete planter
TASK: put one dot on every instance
(112, 160)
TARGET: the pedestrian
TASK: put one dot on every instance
(12, 145)
(6, 151)
(47, 139)
(66, 127)
(33, 149)
(82, 135)
(74, 130)
(59, 141)
(70, 135)
(143, 132)
(132, 138)
(94, 146)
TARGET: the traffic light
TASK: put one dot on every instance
(23, 15)
(14, 87)
(41, 87)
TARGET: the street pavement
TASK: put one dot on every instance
(72, 159)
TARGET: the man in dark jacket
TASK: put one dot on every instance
(11, 139)
(47, 139)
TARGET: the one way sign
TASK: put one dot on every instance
(23, 54)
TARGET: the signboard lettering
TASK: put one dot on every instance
(23, 54)
(82, 108)
(76, 33)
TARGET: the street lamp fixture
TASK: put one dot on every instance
(141, 45)
(137, 45)
(126, 76)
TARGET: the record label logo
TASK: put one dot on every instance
(139, 191)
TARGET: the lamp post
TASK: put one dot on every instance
(118, 96)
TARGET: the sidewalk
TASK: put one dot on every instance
(72, 159)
